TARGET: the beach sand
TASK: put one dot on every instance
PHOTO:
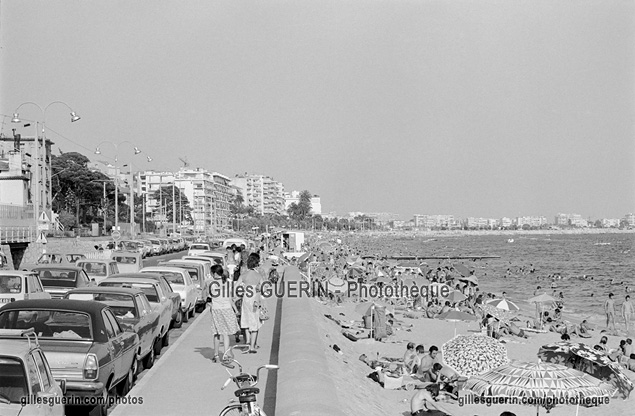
(359, 395)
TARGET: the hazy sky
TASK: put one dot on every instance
(470, 108)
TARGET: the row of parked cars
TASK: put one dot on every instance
(67, 329)
(155, 246)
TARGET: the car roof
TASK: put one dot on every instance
(138, 275)
(67, 266)
(163, 269)
(56, 304)
(95, 261)
(106, 289)
(15, 272)
(129, 280)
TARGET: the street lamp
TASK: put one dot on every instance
(16, 119)
(131, 203)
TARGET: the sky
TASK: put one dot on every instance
(469, 108)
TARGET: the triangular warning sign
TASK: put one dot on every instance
(44, 217)
(41, 238)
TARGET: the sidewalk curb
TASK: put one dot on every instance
(122, 408)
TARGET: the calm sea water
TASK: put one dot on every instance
(602, 256)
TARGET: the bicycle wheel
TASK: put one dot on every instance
(232, 410)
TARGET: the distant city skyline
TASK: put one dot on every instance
(486, 109)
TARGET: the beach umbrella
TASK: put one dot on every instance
(365, 308)
(540, 300)
(455, 316)
(500, 314)
(590, 361)
(462, 269)
(503, 304)
(336, 285)
(304, 257)
(456, 296)
(537, 382)
(543, 298)
(471, 279)
(469, 355)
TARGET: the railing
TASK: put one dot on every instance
(10, 234)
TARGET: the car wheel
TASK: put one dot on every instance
(178, 321)
(158, 345)
(192, 311)
(101, 409)
(186, 315)
(148, 361)
(126, 384)
(166, 339)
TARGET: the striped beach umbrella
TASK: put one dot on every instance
(504, 304)
(537, 382)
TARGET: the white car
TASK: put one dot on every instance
(20, 285)
(196, 248)
(182, 284)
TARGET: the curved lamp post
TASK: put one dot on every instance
(16, 119)
(131, 202)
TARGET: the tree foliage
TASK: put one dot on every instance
(181, 204)
(301, 210)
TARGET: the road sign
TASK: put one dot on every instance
(44, 217)
(116, 235)
(43, 227)
(41, 238)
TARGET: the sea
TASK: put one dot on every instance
(584, 265)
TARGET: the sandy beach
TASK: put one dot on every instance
(360, 395)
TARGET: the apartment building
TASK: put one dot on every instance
(435, 221)
(262, 193)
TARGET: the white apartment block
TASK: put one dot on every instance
(630, 219)
(506, 222)
(431, 221)
(531, 221)
(575, 220)
(293, 197)
(262, 193)
(610, 222)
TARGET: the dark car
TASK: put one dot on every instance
(133, 311)
(59, 279)
(175, 298)
(83, 342)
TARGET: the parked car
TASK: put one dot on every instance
(157, 247)
(147, 248)
(196, 248)
(25, 373)
(219, 258)
(127, 261)
(59, 279)
(165, 244)
(83, 342)
(60, 258)
(133, 311)
(197, 274)
(99, 269)
(130, 246)
(181, 283)
(157, 298)
(174, 297)
(207, 264)
(20, 285)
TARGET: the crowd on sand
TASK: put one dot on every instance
(437, 384)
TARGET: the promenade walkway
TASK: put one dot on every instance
(185, 381)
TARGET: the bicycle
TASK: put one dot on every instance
(246, 383)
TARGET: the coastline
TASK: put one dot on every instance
(462, 233)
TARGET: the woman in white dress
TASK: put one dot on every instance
(224, 321)
(250, 314)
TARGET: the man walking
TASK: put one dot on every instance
(627, 311)
(609, 309)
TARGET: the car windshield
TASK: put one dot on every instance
(147, 288)
(13, 386)
(172, 277)
(93, 268)
(10, 284)
(72, 258)
(125, 259)
(155, 242)
(58, 277)
(199, 247)
(49, 323)
(50, 259)
(193, 272)
(122, 304)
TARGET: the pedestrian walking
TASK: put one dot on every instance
(223, 310)
(252, 301)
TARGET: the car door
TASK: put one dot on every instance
(190, 289)
(36, 289)
(48, 385)
(115, 343)
(144, 327)
(154, 316)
